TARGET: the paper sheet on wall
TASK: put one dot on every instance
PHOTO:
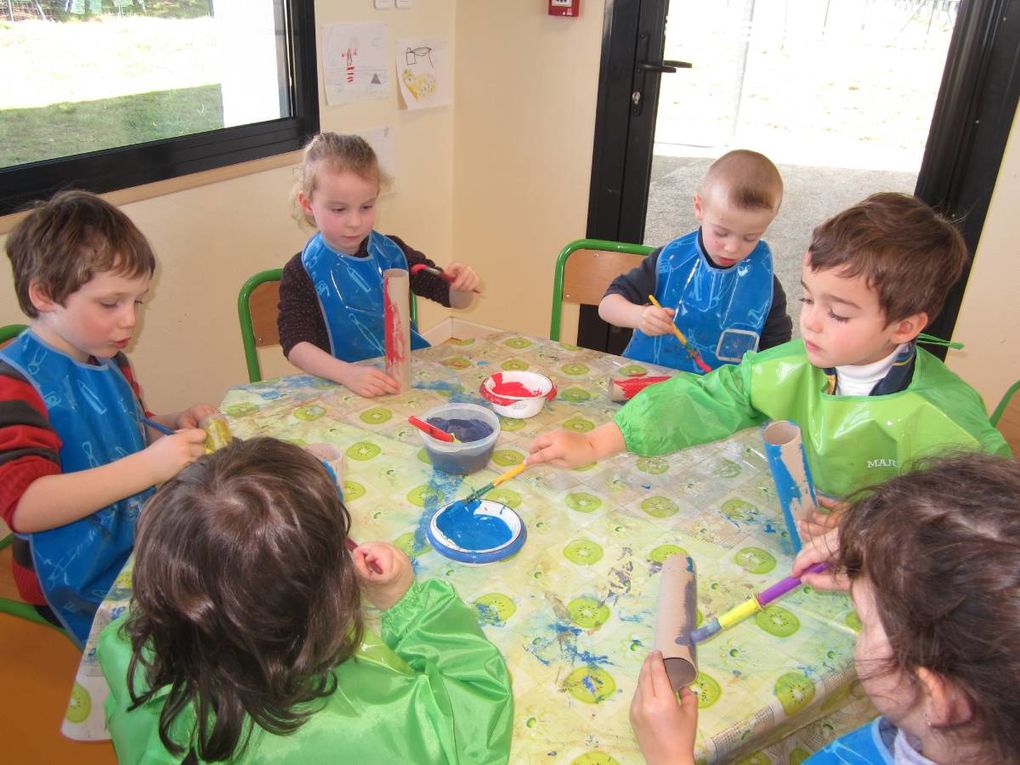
(423, 71)
(383, 142)
(354, 62)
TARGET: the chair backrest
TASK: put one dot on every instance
(258, 306)
(9, 331)
(584, 270)
(1006, 417)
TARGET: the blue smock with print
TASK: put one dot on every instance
(350, 291)
(97, 416)
(721, 311)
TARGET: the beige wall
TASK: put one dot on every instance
(499, 181)
(990, 314)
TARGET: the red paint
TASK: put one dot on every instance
(394, 329)
(631, 386)
(503, 387)
(418, 267)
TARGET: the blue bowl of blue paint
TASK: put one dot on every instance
(476, 429)
(477, 532)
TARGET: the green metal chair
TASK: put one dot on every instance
(584, 270)
(1006, 417)
(258, 305)
(17, 608)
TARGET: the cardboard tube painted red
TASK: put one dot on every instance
(397, 318)
(677, 614)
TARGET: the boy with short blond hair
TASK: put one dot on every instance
(716, 283)
(866, 398)
(76, 464)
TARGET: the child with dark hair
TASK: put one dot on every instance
(244, 640)
(866, 397)
(930, 559)
(76, 462)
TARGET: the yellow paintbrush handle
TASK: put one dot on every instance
(739, 613)
(676, 329)
(514, 471)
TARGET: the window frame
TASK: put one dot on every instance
(138, 164)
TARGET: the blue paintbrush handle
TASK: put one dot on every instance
(157, 426)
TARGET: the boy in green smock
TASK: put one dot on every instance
(867, 399)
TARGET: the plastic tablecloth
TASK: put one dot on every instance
(574, 611)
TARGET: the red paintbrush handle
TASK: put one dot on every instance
(352, 546)
(438, 272)
(432, 430)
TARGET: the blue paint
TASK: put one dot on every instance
(462, 458)
(465, 430)
(470, 530)
(791, 499)
(441, 486)
(454, 391)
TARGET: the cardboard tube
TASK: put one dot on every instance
(784, 448)
(217, 432)
(397, 317)
(678, 606)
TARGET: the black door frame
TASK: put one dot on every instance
(973, 114)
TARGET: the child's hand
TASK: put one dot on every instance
(819, 523)
(665, 728)
(656, 321)
(168, 455)
(562, 448)
(367, 381)
(384, 572)
(464, 277)
(190, 418)
(820, 549)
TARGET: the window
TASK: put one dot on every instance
(109, 94)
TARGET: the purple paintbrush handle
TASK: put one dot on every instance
(783, 586)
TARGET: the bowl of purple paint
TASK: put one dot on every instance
(476, 430)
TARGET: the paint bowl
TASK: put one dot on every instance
(517, 394)
(476, 533)
(471, 454)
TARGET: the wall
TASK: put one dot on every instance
(990, 313)
(211, 238)
(499, 181)
(523, 132)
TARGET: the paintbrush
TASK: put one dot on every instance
(751, 606)
(437, 433)
(436, 270)
(683, 341)
(158, 426)
(352, 546)
(514, 471)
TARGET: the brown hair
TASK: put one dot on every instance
(245, 597)
(61, 244)
(338, 153)
(908, 254)
(941, 548)
(745, 179)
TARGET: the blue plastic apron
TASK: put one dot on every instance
(721, 311)
(350, 291)
(95, 413)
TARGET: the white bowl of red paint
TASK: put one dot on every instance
(517, 394)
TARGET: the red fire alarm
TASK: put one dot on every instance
(564, 7)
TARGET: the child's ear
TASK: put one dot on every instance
(699, 208)
(305, 202)
(41, 300)
(945, 704)
(905, 330)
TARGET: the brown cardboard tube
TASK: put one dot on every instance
(397, 325)
(678, 604)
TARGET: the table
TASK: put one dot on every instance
(574, 611)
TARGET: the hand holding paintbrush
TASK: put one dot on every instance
(447, 276)
(683, 341)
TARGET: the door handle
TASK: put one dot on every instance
(666, 67)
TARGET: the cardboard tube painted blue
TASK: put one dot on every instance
(788, 463)
(675, 620)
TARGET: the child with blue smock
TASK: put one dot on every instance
(929, 559)
(331, 293)
(76, 461)
(245, 640)
(867, 399)
(716, 284)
